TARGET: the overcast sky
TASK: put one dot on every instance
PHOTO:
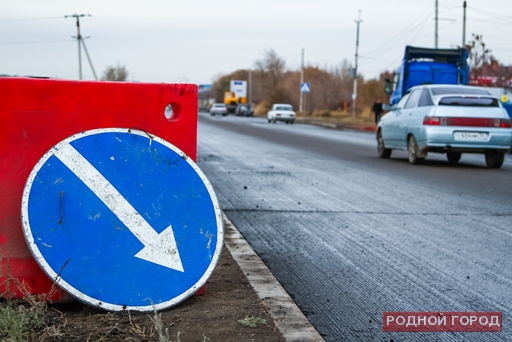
(194, 41)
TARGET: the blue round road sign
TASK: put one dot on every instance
(122, 220)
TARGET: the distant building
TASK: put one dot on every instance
(491, 74)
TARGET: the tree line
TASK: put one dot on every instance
(331, 89)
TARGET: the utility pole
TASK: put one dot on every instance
(250, 87)
(436, 31)
(301, 101)
(354, 95)
(80, 41)
(464, 26)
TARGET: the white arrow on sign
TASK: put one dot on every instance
(160, 248)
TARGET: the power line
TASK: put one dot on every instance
(420, 28)
(36, 42)
(491, 21)
(375, 58)
(396, 61)
(493, 15)
(27, 19)
(404, 32)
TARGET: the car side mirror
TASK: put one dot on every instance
(387, 106)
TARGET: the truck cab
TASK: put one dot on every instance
(232, 101)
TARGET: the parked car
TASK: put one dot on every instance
(281, 112)
(244, 109)
(451, 119)
(219, 108)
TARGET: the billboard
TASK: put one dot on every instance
(203, 88)
(238, 87)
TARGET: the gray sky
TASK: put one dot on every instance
(195, 40)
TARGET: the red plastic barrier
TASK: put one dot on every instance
(36, 114)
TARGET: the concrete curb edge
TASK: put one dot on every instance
(288, 318)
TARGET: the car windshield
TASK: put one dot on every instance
(219, 105)
(284, 108)
(469, 101)
(458, 91)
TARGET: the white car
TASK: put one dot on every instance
(451, 119)
(281, 112)
(219, 108)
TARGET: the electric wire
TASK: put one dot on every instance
(26, 19)
(38, 42)
(493, 15)
(398, 37)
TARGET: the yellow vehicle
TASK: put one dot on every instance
(232, 101)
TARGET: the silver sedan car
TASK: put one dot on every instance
(219, 108)
(451, 119)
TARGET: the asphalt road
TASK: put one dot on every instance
(350, 235)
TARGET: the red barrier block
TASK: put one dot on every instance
(36, 114)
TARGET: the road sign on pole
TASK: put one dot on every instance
(122, 219)
(305, 87)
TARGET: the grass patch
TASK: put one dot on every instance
(25, 319)
(252, 322)
(18, 322)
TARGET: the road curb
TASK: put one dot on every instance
(288, 318)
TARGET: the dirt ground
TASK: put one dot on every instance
(213, 316)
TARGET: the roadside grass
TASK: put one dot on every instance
(27, 319)
(339, 119)
(23, 319)
(19, 322)
(336, 119)
(163, 334)
(252, 322)
(365, 116)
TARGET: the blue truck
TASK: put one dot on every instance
(428, 66)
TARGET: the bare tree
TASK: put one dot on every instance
(479, 54)
(270, 77)
(117, 73)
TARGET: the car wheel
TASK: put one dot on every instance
(212, 114)
(412, 151)
(269, 120)
(494, 159)
(274, 121)
(291, 122)
(453, 157)
(381, 150)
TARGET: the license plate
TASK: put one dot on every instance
(471, 136)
